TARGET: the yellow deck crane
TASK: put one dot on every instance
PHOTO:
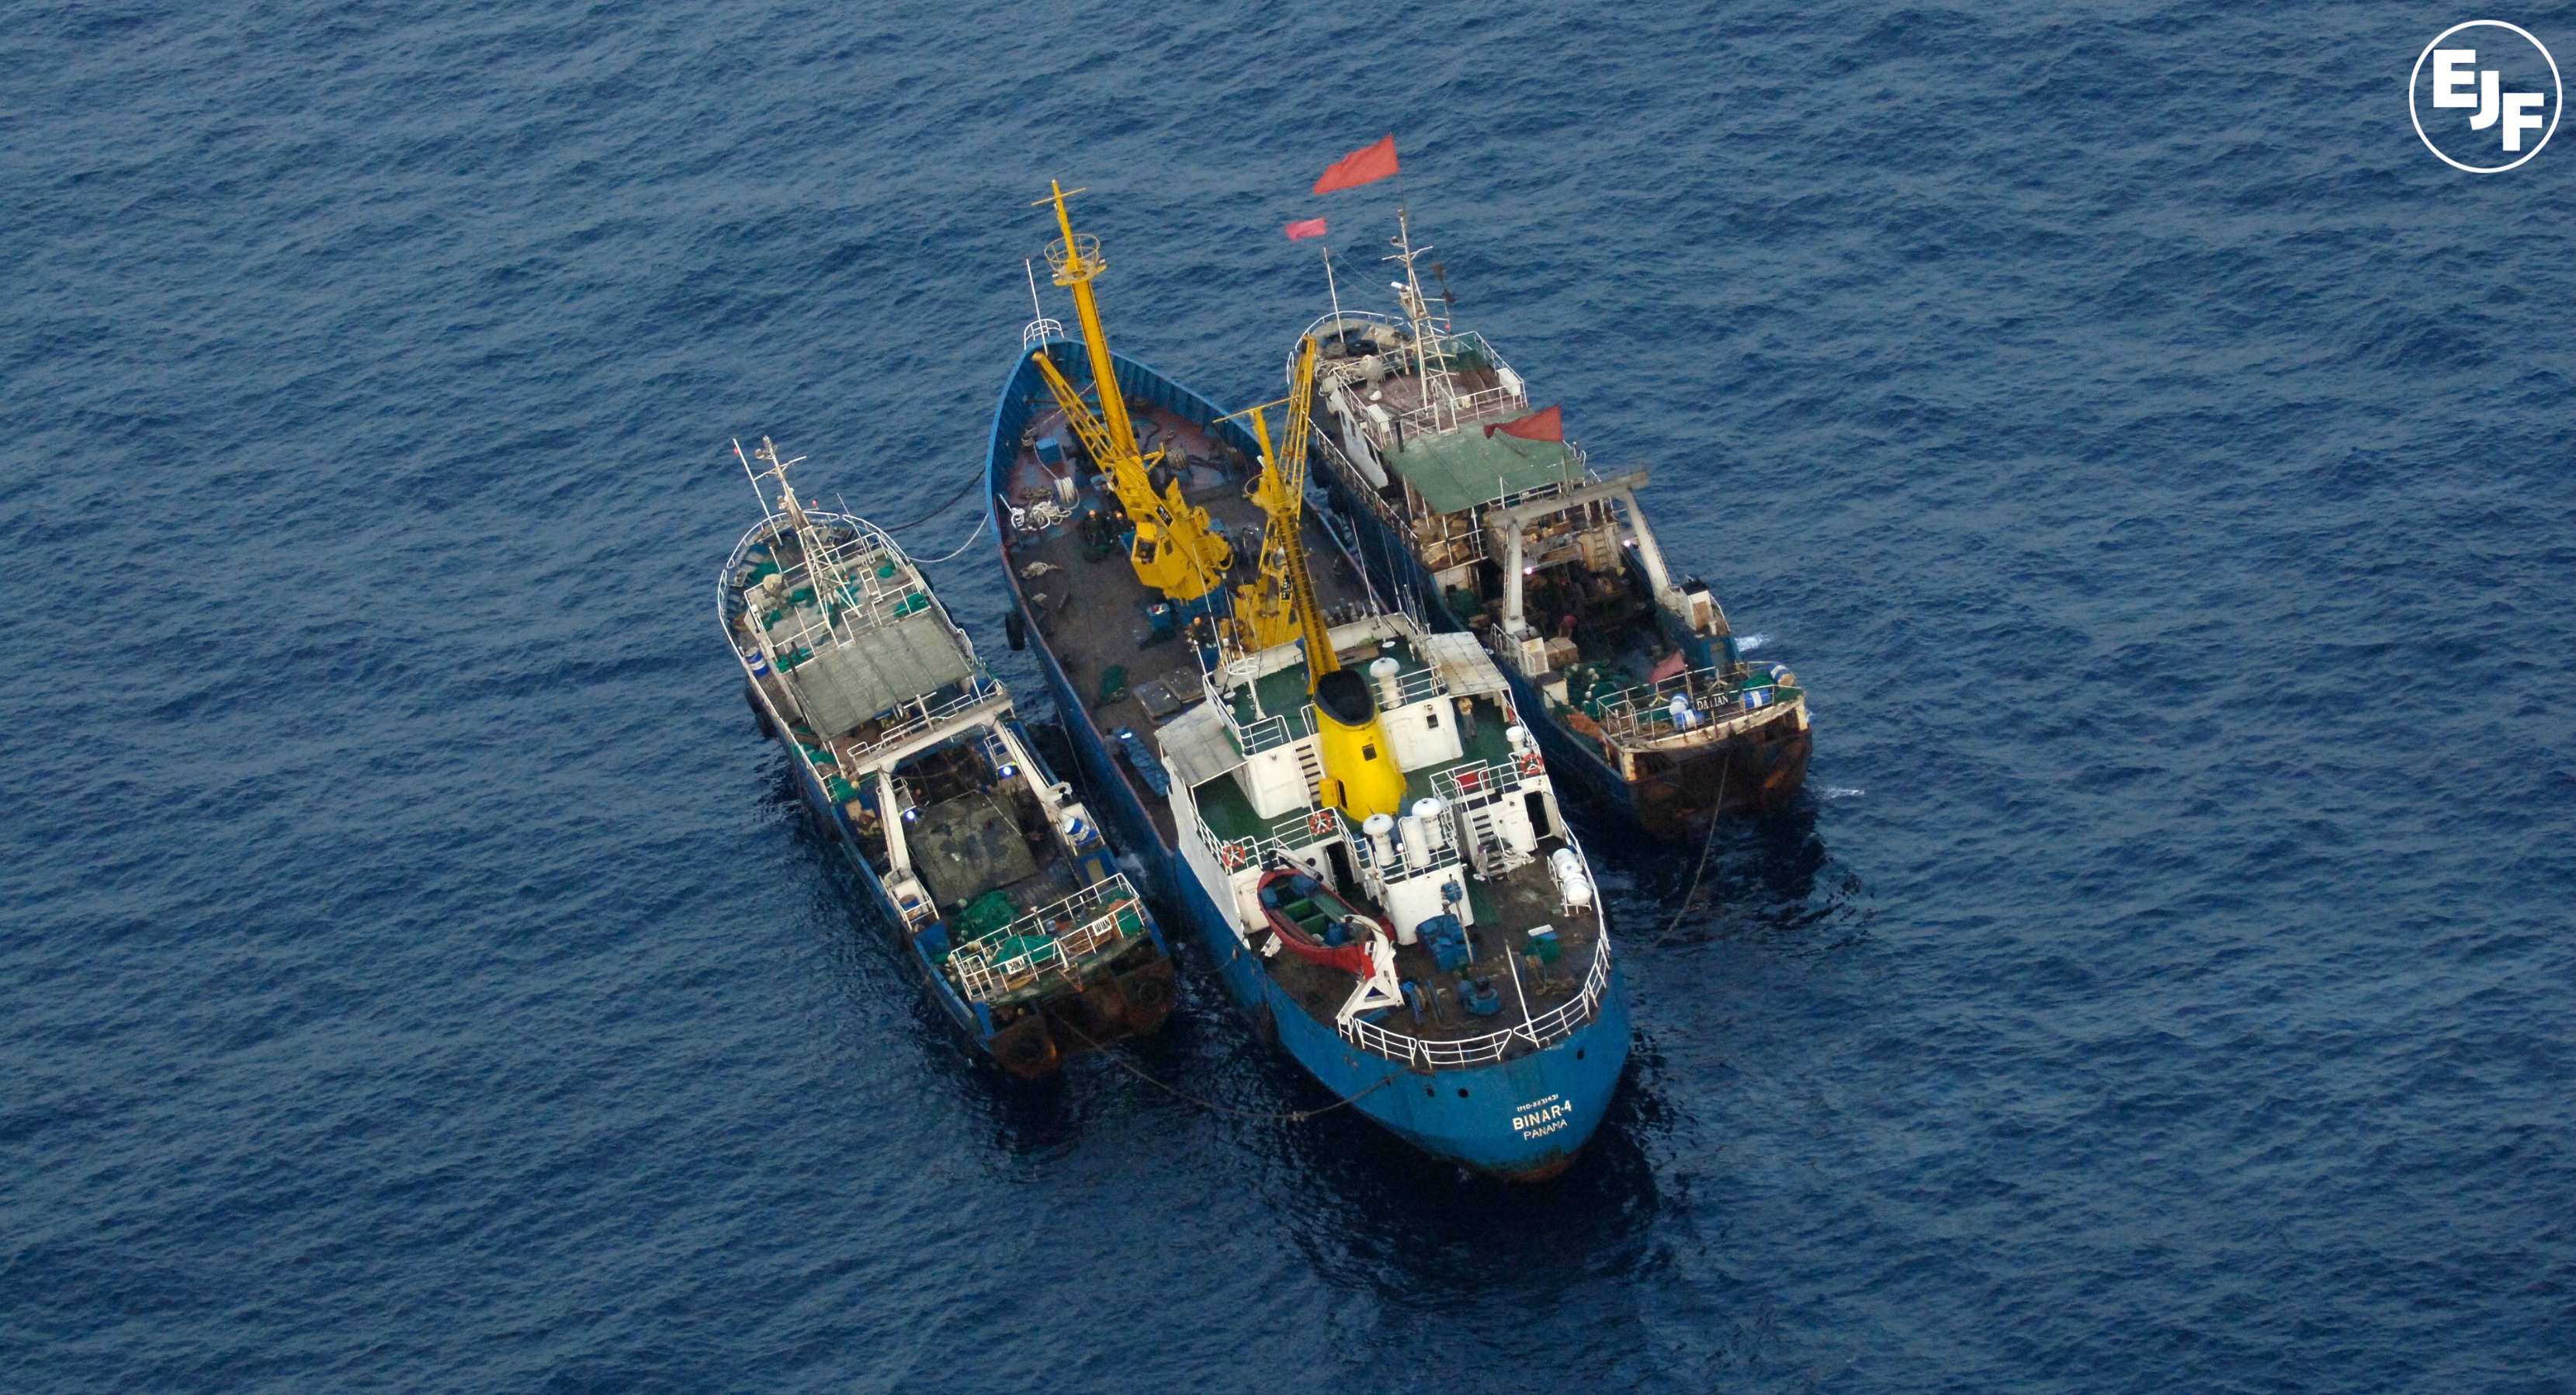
(1267, 607)
(1361, 776)
(1177, 551)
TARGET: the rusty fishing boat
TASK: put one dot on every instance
(1464, 495)
(1001, 889)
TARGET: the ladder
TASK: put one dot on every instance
(1485, 843)
(1310, 764)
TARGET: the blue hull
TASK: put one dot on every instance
(1524, 1118)
(978, 1029)
(934, 984)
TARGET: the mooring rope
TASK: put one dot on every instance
(943, 508)
(1705, 849)
(961, 547)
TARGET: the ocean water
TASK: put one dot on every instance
(415, 974)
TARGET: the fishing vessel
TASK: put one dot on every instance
(1467, 497)
(1343, 806)
(1003, 893)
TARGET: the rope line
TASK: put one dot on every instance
(1715, 811)
(961, 547)
(1295, 1116)
(943, 508)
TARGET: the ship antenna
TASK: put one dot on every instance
(753, 474)
(1409, 292)
(1331, 290)
(1039, 329)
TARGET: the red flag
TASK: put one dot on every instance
(1548, 425)
(1307, 227)
(1359, 167)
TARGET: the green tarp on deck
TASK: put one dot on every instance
(1463, 468)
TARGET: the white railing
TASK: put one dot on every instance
(920, 715)
(1272, 732)
(1359, 485)
(1448, 412)
(1104, 916)
(812, 623)
(1283, 836)
(1538, 1032)
(1469, 786)
(1421, 683)
(1395, 869)
(1644, 712)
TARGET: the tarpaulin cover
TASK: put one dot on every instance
(1460, 469)
(845, 684)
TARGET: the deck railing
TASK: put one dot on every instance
(1723, 702)
(1447, 413)
(1273, 731)
(1282, 836)
(1416, 685)
(921, 713)
(1472, 786)
(1538, 1032)
(1105, 916)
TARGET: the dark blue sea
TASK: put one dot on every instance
(416, 974)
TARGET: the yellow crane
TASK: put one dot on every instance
(1361, 776)
(1178, 551)
(1269, 607)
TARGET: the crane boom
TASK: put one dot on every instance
(1303, 613)
(1177, 550)
(1268, 606)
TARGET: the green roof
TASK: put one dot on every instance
(1463, 468)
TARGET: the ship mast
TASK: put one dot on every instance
(1178, 551)
(1417, 312)
(1361, 775)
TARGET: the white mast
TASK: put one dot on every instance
(1408, 292)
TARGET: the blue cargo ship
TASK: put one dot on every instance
(1005, 898)
(1441, 961)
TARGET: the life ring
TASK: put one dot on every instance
(1532, 764)
(1234, 856)
(1322, 824)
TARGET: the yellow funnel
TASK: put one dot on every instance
(1360, 774)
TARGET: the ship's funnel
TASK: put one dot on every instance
(1360, 774)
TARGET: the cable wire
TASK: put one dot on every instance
(961, 547)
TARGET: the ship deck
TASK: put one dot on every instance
(1404, 392)
(1507, 909)
(1107, 629)
(1090, 615)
